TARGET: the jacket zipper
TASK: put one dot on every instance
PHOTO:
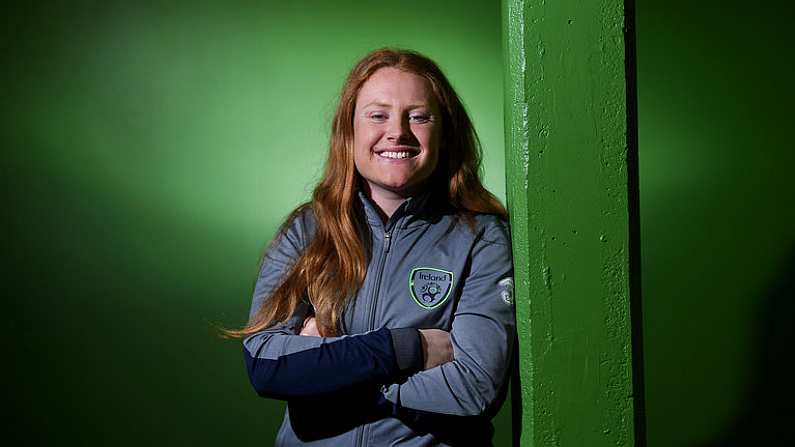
(374, 298)
(377, 286)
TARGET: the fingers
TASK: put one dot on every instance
(310, 328)
(437, 347)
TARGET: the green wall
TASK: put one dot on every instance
(715, 95)
(150, 151)
(717, 235)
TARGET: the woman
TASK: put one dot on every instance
(383, 312)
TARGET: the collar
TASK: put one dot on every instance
(413, 209)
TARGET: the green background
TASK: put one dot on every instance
(150, 152)
(716, 157)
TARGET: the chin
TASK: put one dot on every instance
(394, 184)
(399, 185)
(407, 190)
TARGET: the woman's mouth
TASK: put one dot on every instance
(398, 153)
(395, 154)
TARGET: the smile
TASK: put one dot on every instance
(395, 154)
(398, 153)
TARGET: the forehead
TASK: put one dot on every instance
(392, 86)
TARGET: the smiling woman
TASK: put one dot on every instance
(396, 135)
(333, 323)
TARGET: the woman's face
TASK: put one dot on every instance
(396, 132)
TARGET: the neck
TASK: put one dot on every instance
(385, 201)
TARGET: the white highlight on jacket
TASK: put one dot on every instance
(507, 289)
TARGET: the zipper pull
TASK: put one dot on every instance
(387, 241)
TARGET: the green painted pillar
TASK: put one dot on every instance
(569, 170)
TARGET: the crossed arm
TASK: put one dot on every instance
(436, 345)
(457, 373)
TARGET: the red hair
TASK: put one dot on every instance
(333, 265)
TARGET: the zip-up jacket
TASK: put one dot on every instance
(428, 267)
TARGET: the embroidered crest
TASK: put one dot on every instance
(506, 290)
(430, 287)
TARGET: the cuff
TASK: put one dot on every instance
(408, 349)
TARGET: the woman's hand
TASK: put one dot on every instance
(310, 328)
(436, 346)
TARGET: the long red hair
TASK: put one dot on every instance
(333, 265)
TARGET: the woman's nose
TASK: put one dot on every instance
(399, 129)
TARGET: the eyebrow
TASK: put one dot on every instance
(383, 104)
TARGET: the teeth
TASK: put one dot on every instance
(395, 154)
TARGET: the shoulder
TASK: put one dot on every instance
(298, 228)
(493, 229)
(481, 228)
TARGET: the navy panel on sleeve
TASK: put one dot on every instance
(329, 368)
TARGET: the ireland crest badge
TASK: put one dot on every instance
(430, 287)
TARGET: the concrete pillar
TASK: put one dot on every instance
(572, 195)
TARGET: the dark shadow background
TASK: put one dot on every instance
(715, 93)
(767, 414)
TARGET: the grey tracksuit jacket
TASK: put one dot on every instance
(428, 267)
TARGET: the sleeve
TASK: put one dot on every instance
(284, 365)
(482, 335)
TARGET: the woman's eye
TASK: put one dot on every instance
(420, 118)
(378, 116)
